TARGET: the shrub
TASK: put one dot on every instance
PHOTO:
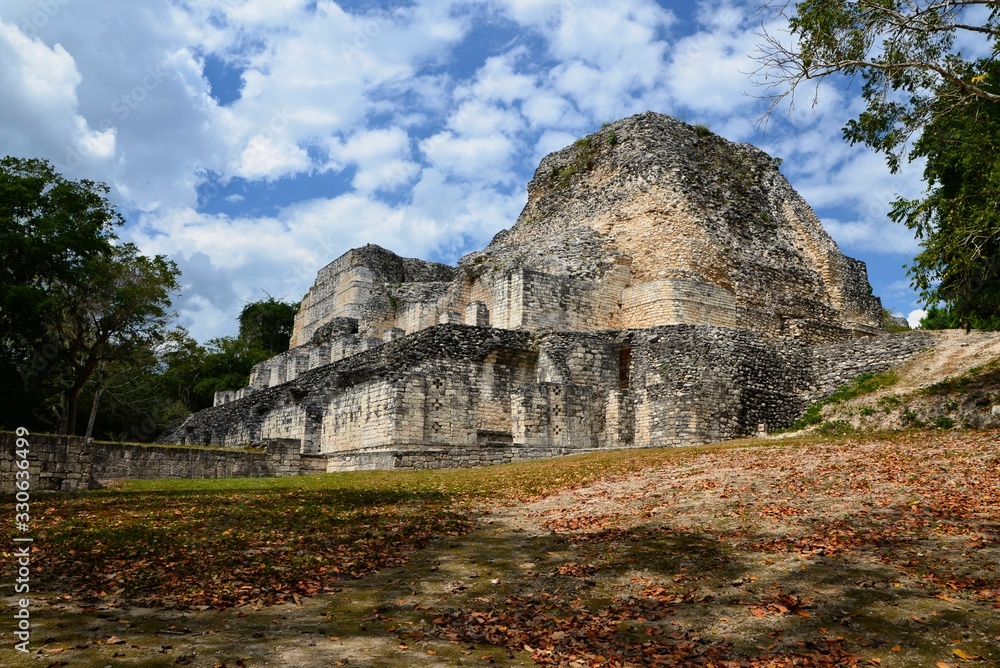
(835, 428)
(813, 415)
(889, 403)
(866, 383)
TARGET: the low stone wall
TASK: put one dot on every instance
(55, 464)
(839, 363)
(421, 457)
(69, 464)
(694, 384)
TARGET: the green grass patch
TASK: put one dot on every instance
(813, 415)
(583, 161)
(944, 423)
(835, 428)
(889, 403)
(866, 383)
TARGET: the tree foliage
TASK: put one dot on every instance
(51, 229)
(84, 318)
(903, 51)
(71, 297)
(916, 82)
(226, 366)
(267, 324)
(957, 218)
(938, 317)
(142, 395)
(122, 313)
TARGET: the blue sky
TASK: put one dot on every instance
(254, 141)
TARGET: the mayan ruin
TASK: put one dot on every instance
(662, 286)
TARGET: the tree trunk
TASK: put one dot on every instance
(63, 415)
(71, 405)
(93, 411)
(83, 376)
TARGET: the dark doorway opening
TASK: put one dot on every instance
(624, 366)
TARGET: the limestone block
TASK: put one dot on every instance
(477, 314)
(393, 333)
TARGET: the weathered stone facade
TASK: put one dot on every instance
(661, 287)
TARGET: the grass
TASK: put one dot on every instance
(866, 383)
(268, 540)
(987, 373)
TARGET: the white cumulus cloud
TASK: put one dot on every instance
(914, 317)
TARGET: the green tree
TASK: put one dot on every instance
(957, 218)
(267, 324)
(71, 298)
(938, 317)
(128, 399)
(903, 51)
(915, 82)
(183, 359)
(51, 229)
(122, 313)
(226, 366)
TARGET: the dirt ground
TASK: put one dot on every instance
(955, 352)
(852, 552)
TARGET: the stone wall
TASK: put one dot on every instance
(55, 464)
(564, 303)
(354, 286)
(381, 385)
(677, 301)
(452, 388)
(62, 464)
(839, 363)
(422, 458)
(699, 384)
(124, 461)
